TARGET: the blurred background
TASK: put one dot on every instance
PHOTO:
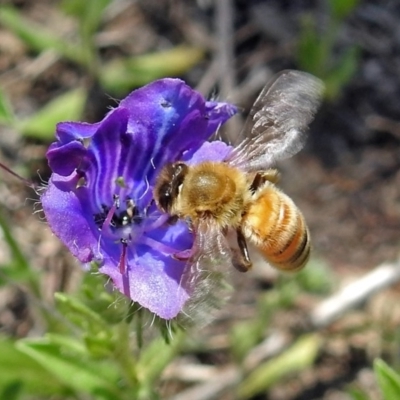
(280, 337)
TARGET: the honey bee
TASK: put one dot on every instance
(239, 194)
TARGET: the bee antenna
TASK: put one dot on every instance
(26, 181)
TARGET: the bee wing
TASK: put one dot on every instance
(278, 120)
(205, 274)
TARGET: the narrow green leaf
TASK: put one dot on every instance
(245, 336)
(67, 107)
(17, 254)
(70, 368)
(342, 73)
(78, 312)
(21, 269)
(6, 114)
(298, 357)
(388, 380)
(342, 8)
(89, 12)
(20, 371)
(120, 76)
(156, 357)
(67, 342)
(12, 391)
(316, 278)
(309, 47)
(357, 394)
(37, 37)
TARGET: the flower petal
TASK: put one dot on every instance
(209, 151)
(173, 118)
(64, 160)
(148, 283)
(218, 113)
(69, 131)
(68, 218)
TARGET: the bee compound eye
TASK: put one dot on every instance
(164, 197)
(179, 171)
(169, 182)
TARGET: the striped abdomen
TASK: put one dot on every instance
(276, 226)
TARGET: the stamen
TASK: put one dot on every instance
(160, 247)
(122, 260)
(116, 200)
(184, 255)
(160, 221)
(107, 221)
(26, 181)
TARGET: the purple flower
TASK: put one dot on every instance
(99, 199)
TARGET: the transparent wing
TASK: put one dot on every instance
(278, 120)
(206, 275)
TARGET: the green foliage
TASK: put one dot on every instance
(357, 394)
(70, 365)
(20, 373)
(244, 336)
(388, 380)
(90, 346)
(117, 76)
(38, 38)
(299, 356)
(66, 107)
(342, 8)
(316, 278)
(89, 13)
(316, 50)
(120, 75)
(6, 113)
(19, 269)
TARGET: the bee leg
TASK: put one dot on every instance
(183, 255)
(271, 175)
(241, 259)
(172, 220)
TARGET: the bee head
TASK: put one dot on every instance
(168, 184)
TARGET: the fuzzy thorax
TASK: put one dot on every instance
(212, 190)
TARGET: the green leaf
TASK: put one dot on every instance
(71, 368)
(20, 372)
(310, 53)
(67, 107)
(317, 277)
(20, 268)
(79, 313)
(119, 76)
(301, 355)
(12, 391)
(245, 336)
(342, 8)
(67, 342)
(6, 114)
(37, 37)
(357, 394)
(89, 12)
(343, 72)
(388, 380)
(155, 357)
